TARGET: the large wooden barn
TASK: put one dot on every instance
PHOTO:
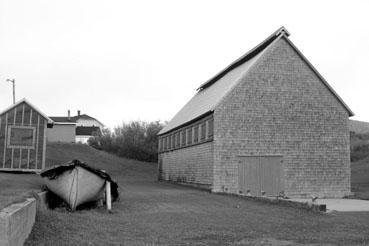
(23, 137)
(268, 124)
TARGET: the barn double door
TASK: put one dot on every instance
(260, 175)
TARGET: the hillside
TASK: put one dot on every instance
(58, 153)
(359, 127)
(21, 185)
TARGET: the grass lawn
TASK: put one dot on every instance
(155, 213)
(15, 187)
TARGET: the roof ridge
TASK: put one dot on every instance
(245, 63)
(249, 55)
(253, 63)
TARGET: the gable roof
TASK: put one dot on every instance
(63, 119)
(49, 121)
(85, 116)
(73, 119)
(86, 130)
(212, 91)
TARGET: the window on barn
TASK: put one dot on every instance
(22, 137)
(169, 142)
(196, 134)
(210, 128)
(203, 131)
(183, 137)
(189, 136)
(165, 143)
(178, 139)
(173, 141)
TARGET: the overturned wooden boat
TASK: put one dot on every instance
(77, 183)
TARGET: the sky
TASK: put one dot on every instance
(143, 60)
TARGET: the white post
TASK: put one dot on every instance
(108, 195)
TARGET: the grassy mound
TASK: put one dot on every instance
(22, 185)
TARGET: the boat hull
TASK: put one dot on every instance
(77, 186)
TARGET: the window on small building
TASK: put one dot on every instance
(183, 137)
(22, 137)
(203, 131)
(196, 134)
(178, 139)
(210, 128)
(173, 141)
(169, 142)
(189, 136)
(165, 143)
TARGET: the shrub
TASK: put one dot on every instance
(135, 140)
(359, 146)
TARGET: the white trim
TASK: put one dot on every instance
(5, 134)
(44, 146)
(19, 169)
(21, 146)
(64, 123)
(37, 141)
(25, 101)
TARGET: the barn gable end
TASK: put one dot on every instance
(22, 138)
(282, 108)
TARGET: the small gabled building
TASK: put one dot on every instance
(268, 124)
(23, 137)
(72, 129)
(64, 130)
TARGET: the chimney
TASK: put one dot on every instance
(79, 112)
(68, 114)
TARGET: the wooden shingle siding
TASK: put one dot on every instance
(282, 108)
(187, 161)
(198, 132)
(191, 165)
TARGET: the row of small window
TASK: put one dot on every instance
(200, 132)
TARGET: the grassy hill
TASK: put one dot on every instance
(22, 185)
(359, 141)
(127, 169)
(359, 127)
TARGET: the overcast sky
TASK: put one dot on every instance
(125, 60)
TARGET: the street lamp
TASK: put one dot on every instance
(12, 81)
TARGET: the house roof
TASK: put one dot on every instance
(87, 117)
(24, 100)
(63, 119)
(73, 119)
(215, 89)
(86, 130)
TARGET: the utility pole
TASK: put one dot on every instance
(12, 81)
